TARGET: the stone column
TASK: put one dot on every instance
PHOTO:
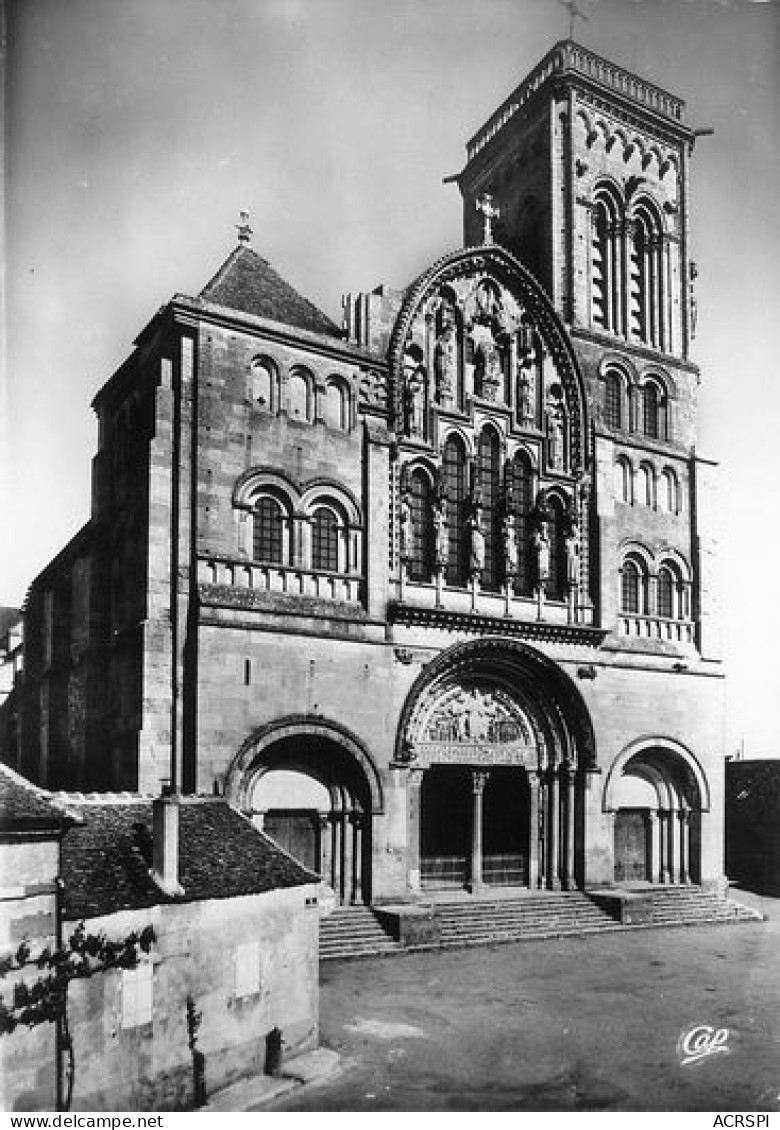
(553, 835)
(654, 831)
(670, 839)
(568, 866)
(326, 843)
(534, 793)
(683, 815)
(356, 877)
(413, 783)
(478, 780)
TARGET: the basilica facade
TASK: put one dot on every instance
(428, 595)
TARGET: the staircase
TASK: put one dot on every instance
(533, 916)
(354, 931)
(687, 906)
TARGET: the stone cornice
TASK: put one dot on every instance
(447, 620)
(632, 349)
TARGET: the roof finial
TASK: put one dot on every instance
(244, 230)
(490, 212)
(575, 13)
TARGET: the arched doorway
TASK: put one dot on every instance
(657, 794)
(498, 742)
(313, 788)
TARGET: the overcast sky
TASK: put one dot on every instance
(137, 129)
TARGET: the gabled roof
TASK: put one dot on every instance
(249, 283)
(107, 855)
(26, 808)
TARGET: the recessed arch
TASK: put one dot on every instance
(660, 753)
(255, 756)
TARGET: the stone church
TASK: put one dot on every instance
(429, 594)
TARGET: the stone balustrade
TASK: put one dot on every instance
(287, 580)
(571, 58)
(653, 628)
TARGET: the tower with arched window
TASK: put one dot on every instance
(427, 595)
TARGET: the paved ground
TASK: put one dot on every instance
(573, 1024)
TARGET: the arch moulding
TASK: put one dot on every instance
(240, 777)
(663, 745)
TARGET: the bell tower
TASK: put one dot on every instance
(587, 164)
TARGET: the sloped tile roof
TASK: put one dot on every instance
(249, 283)
(107, 857)
(24, 807)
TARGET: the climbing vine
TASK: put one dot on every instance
(44, 999)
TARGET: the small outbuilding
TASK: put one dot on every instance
(233, 969)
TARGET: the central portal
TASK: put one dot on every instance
(474, 827)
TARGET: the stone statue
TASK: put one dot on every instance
(542, 545)
(415, 403)
(476, 549)
(509, 535)
(445, 354)
(525, 406)
(440, 538)
(405, 526)
(555, 440)
(572, 556)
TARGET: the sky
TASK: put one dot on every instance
(137, 129)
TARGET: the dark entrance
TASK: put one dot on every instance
(298, 832)
(448, 805)
(445, 826)
(505, 828)
(632, 845)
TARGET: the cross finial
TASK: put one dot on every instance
(243, 228)
(490, 212)
(575, 13)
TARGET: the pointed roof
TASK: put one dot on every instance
(249, 283)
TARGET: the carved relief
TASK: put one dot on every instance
(474, 725)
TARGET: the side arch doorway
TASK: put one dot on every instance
(658, 797)
(312, 787)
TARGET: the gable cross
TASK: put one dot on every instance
(490, 212)
(575, 13)
(243, 228)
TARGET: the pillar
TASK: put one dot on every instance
(553, 835)
(478, 779)
(654, 829)
(670, 840)
(413, 783)
(325, 847)
(568, 875)
(356, 876)
(535, 790)
(683, 816)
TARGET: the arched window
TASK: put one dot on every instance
(489, 486)
(420, 561)
(623, 485)
(299, 394)
(336, 408)
(666, 589)
(669, 495)
(605, 286)
(613, 400)
(268, 531)
(264, 385)
(523, 501)
(647, 485)
(556, 584)
(652, 415)
(646, 277)
(454, 468)
(633, 587)
(325, 540)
